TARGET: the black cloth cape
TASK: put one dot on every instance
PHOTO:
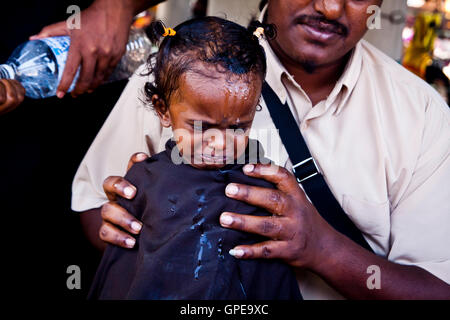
(182, 251)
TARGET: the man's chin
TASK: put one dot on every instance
(315, 59)
(308, 66)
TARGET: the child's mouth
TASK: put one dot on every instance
(214, 159)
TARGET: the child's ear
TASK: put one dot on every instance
(162, 110)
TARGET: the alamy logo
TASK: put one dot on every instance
(74, 279)
(374, 280)
(374, 21)
(74, 21)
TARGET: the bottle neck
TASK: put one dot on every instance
(7, 71)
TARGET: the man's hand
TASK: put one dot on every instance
(296, 230)
(302, 238)
(114, 216)
(11, 95)
(97, 47)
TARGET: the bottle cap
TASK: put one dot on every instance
(6, 71)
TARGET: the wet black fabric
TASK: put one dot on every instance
(182, 251)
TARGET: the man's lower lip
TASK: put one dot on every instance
(318, 34)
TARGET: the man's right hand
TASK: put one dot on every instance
(97, 46)
(118, 225)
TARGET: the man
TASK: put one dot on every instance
(379, 135)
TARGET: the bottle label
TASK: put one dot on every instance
(60, 48)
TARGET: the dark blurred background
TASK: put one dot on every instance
(42, 143)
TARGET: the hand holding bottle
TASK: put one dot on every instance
(97, 46)
(11, 95)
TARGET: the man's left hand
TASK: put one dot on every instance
(297, 232)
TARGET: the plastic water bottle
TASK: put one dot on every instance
(39, 64)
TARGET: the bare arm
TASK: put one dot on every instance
(344, 266)
(91, 221)
(140, 5)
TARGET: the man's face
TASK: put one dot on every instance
(317, 32)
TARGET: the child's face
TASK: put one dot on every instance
(211, 118)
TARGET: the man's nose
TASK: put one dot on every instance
(330, 9)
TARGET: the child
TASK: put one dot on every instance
(208, 75)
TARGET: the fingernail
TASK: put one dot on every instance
(128, 191)
(141, 156)
(60, 94)
(249, 168)
(136, 226)
(238, 253)
(226, 219)
(232, 189)
(130, 242)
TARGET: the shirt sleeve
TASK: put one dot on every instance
(132, 126)
(420, 223)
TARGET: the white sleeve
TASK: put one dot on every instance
(132, 126)
(420, 223)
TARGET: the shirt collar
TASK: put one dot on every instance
(348, 79)
(276, 70)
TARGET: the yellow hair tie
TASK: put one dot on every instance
(259, 32)
(169, 32)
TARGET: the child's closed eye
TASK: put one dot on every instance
(200, 126)
(239, 127)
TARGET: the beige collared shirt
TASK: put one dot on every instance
(381, 139)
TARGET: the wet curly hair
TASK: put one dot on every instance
(219, 43)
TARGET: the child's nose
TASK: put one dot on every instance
(217, 141)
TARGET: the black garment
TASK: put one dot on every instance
(182, 251)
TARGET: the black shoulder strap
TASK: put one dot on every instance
(305, 169)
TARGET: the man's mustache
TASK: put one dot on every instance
(321, 23)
